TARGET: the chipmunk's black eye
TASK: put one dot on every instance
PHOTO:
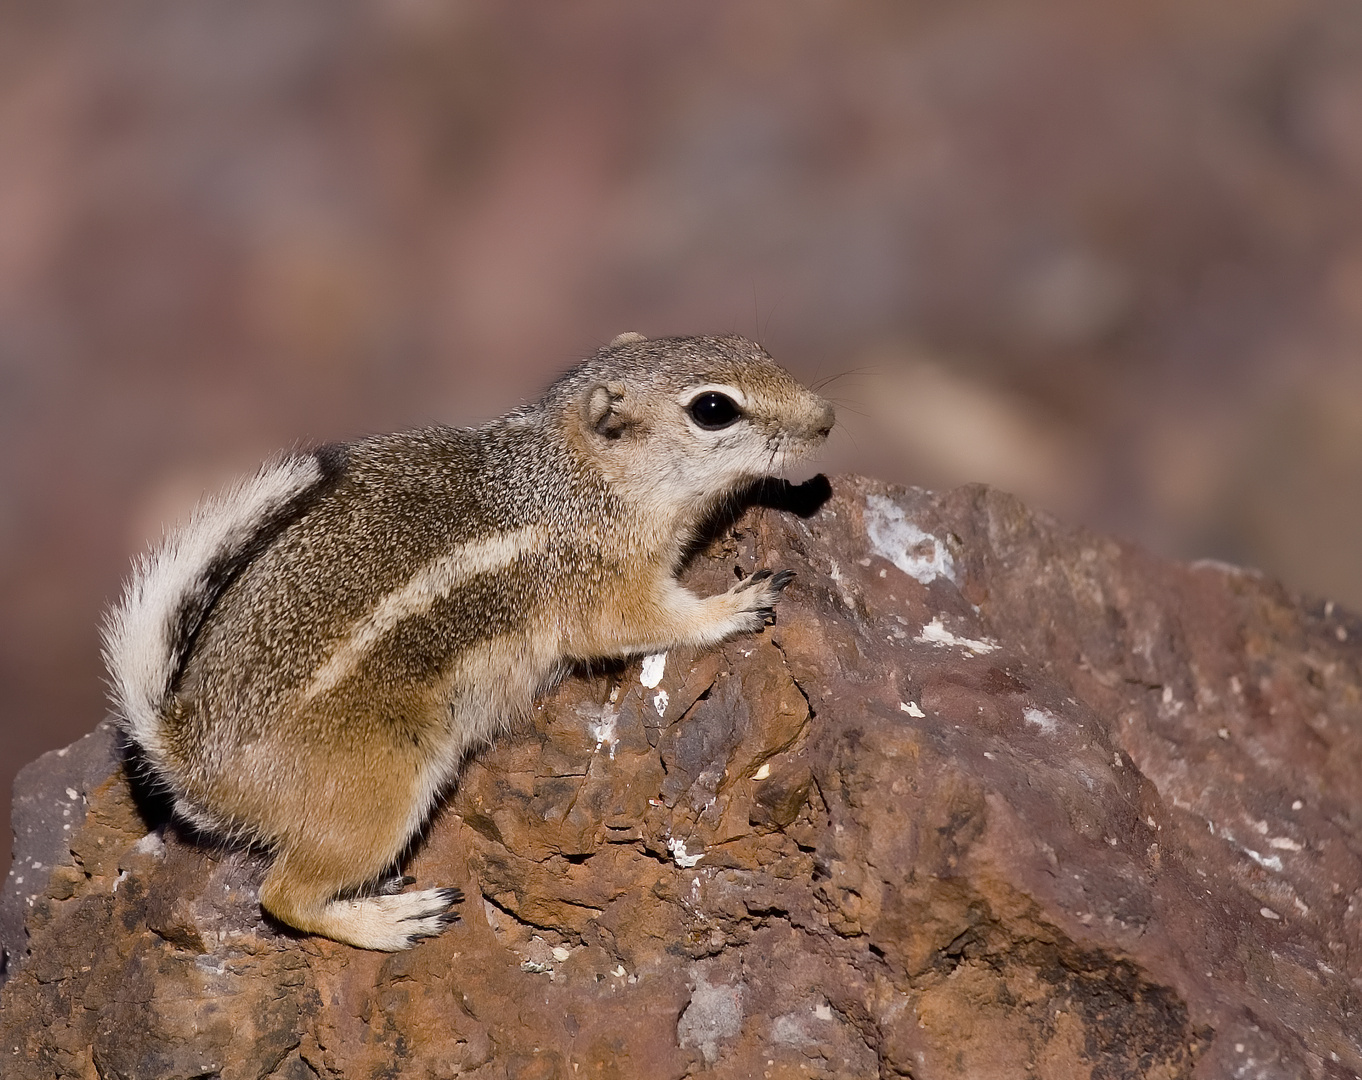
(713, 410)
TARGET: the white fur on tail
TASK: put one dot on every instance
(144, 634)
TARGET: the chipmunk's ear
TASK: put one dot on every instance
(629, 337)
(606, 413)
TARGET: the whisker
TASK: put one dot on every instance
(875, 370)
(847, 432)
(843, 406)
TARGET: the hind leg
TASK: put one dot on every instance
(336, 836)
(302, 886)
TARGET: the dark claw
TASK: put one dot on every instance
(447, 897)
(759, 576)
(449, 918)
(451, 896)
(768, 615)
(394, 885)
(446, 920)
(782, 579)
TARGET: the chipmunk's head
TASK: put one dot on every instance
(687, 421)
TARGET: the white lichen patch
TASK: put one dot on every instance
(801, 1026)
(602, 724)
(935, 633)
(660, 702)
(153, 843)
(680, 855)
(713, 1015)
(892, 536)
(1043, 719)
(654, 665)
(791, 1030)
(1229, 569)
(912, 709)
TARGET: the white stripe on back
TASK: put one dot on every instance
(430, 584)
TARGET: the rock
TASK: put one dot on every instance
(994, 798)
(50, 797)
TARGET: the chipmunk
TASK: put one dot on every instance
(304, 665)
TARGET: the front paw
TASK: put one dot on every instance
(760, 592)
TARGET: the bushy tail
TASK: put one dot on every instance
(147, 635)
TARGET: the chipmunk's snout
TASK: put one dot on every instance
(813, 421)
(827, 419)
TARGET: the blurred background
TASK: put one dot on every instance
(1108, 256)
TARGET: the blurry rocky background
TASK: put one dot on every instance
(1108, 257)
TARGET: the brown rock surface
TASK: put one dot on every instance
(995, 798)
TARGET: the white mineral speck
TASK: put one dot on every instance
(653, 667)
(1268, 862)
(935, 633)
(680, 856)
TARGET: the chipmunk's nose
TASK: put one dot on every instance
(824, 421)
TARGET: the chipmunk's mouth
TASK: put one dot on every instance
(786, 451)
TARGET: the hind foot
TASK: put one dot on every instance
(386, 920)
(390, 921)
